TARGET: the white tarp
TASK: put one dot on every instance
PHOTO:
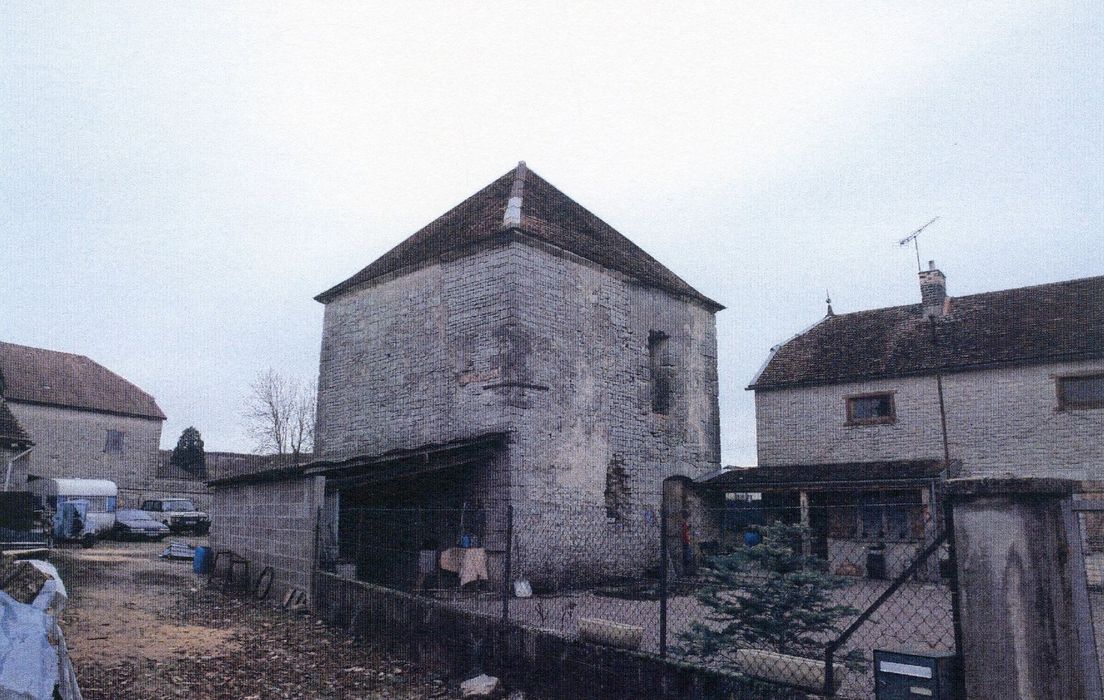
(53, 597)
(28, 662)
(30, 666)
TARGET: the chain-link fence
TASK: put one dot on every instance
(791, 596)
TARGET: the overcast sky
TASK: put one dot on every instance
(178, 180)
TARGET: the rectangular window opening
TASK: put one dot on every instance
(114, 442)
(1081, 392)
(871, 409)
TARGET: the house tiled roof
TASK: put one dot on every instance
(11, 432)
(523, 202)
(1028, 325)
(36, 375)
(846, 474)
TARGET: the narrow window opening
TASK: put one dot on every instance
(661, 369)
(113, 444)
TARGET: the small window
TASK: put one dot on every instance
(1081, 392)
(114, 442)
(871, 409)
(659, 366)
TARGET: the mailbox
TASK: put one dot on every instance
(909, 675)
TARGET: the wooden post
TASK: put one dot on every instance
(507, 567)
(663, 579)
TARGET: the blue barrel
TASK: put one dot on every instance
(201, 562)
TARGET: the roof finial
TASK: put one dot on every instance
(828, 301)
(512, 217)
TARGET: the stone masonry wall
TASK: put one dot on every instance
(999, 422)
(531, 340)
(70, 443)
(404, 361)
(270, 524)
(589, 454)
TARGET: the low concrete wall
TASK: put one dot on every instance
(540, 660)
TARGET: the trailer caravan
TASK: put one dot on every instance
(88, 502)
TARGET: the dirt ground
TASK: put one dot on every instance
(141, 627)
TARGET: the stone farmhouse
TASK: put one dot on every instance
(850, 412)
(81, 420)
(517, 352)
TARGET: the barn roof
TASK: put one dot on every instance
(36, 375)
(522, 201)
(1028, 325)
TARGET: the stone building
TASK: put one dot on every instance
(849, 421)
(517, 351)
(85, 421)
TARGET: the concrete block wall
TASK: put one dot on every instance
(999, 422)
(270, 523)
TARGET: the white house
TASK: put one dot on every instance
(860, 417)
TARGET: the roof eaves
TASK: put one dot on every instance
(160, 415)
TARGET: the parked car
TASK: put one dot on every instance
(178, 514)
(137, 524)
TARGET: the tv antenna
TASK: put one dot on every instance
(912, 238)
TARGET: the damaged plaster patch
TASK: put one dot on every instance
(617, 489)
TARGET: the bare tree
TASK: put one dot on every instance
(280, 414)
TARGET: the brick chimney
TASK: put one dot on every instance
(933, 290)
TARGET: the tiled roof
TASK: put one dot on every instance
(10, 429)
(35, 375)
(1028, 325)
(522, 201)
(842, 473)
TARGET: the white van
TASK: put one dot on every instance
(100, 495)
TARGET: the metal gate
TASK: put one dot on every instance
(927, 614)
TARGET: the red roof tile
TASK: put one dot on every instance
(1028, 325)
(36, 375)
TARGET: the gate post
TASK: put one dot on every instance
(1026, 624)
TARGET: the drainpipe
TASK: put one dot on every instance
(11, 462)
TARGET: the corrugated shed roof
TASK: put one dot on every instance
(1043, 323)
(523, 201)
(843, 473)
(37, 375)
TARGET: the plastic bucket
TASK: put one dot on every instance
(201, 562)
